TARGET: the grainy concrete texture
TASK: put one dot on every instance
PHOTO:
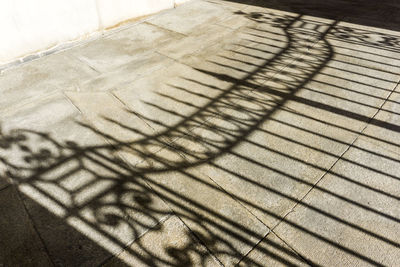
(220, 133)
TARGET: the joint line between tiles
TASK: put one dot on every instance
(342, 155)
(164, 219)
(32, 222)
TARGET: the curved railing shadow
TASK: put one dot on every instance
(213, 130)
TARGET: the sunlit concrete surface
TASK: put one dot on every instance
(220, 133)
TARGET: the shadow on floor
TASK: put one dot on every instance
(382, 14)
(125, 195)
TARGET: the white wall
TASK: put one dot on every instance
(29, 26)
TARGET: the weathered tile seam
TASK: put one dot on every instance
(359, 135)
(46, 250)
(163, 220)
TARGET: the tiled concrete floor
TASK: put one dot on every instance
(220, 133)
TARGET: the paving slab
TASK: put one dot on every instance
(198, 42)
(384, 127)
(170, 243)
(350, 221)
(39, 78)
(133, 136)
(226, 228)
(109, 116)
(171, 96)
(124, 75)
(272, 251)
(190, 17)
(123, 47)
(376, 58)
(19, 242)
